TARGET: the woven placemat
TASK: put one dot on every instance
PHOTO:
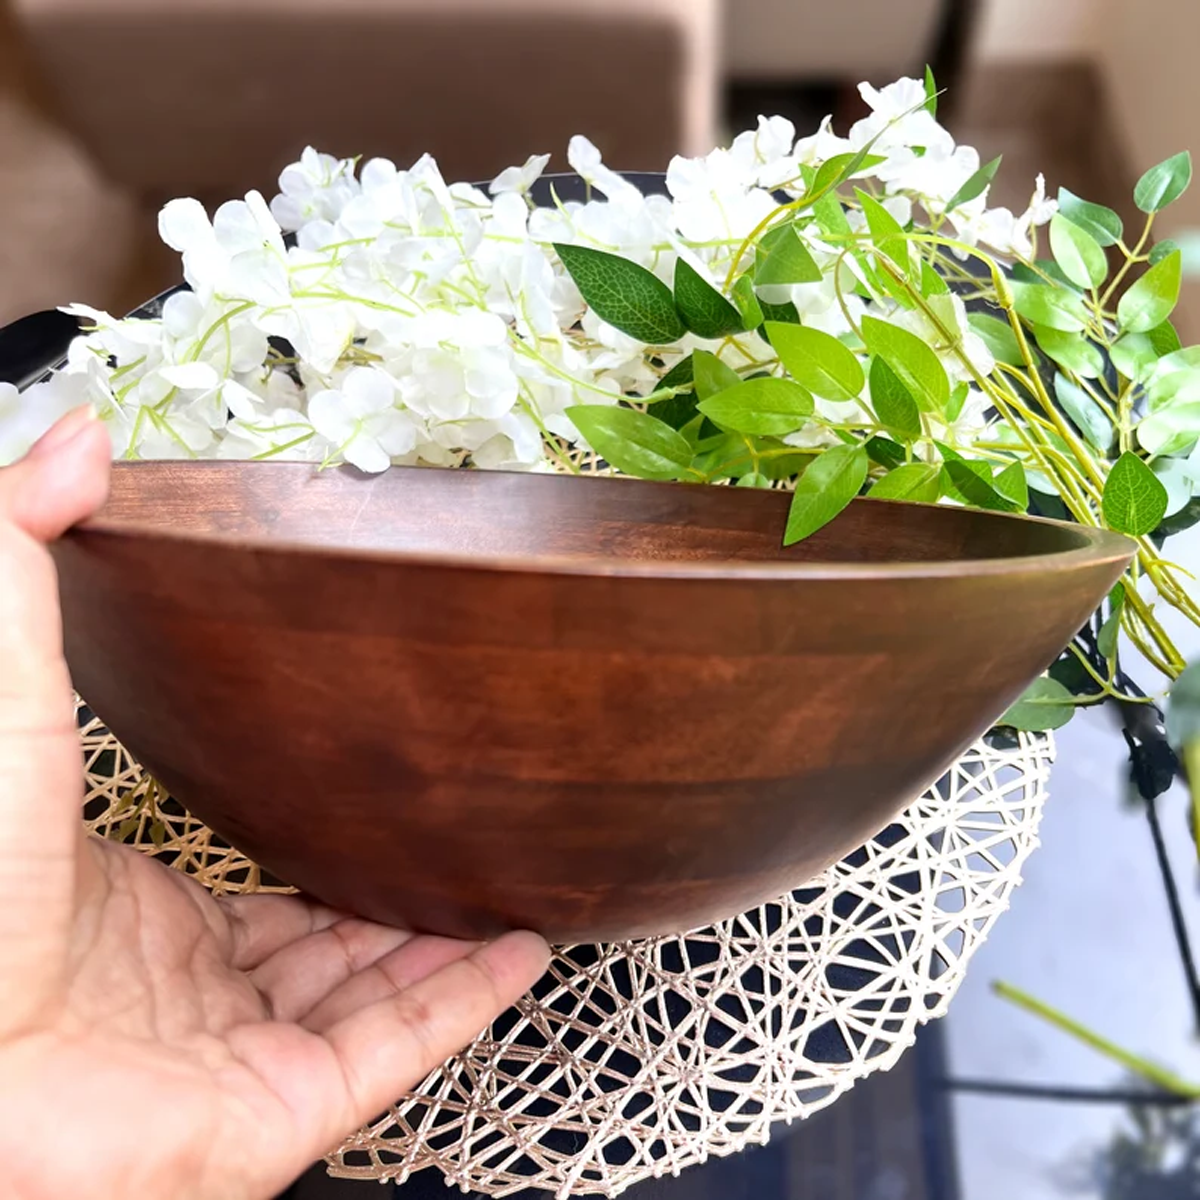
(634, 1060)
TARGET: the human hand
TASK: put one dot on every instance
(155, 1042)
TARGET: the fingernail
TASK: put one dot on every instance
(64, 431)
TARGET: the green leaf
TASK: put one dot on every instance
(704, 310)
(1045, 705)
(1134, 501)
(747, 302)
(975, 185)
(932, 284)
(831, 215)
(886, 232)
(1163, 184)
(958, 397)
(1171, 388)
(975, 486)
(1133, 355)
(780, 312)
(912, 481)
(1012, 485)
(1102, 223)
(1106, 639)
(754, 480)
(716, 456)
(680, 375)
(1183, 708)
(1164, 339)
(818, 361)
(824, 490)
(1179, 478)
(624, 294)
(767, 407)
(999, 338)
(885, 452)
(1069, 671)
(836, 170)
(1151, 300)
(1041, 271)
(1161, 250)
(1087, 415)
(712, 375)
(919, 368)
(678, 410)
(785, 259)
(1080, 256)
(931, 96)
(1170, 430)
(1071, 351)
(1184, 358)
(633, 442)
(786, 466)
(893, 403)
(1056, 308)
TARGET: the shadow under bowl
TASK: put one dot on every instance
(467, 701)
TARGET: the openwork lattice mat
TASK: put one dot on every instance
(636, 1060)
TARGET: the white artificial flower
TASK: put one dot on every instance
(937, 176)
(821, 146)
(416, 321)
(283, 434)
(239, 253)
(585, 160)
(361, 420)
(716, 197)
(318, 187)
(520, 179)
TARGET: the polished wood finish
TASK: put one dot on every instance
(600, 708)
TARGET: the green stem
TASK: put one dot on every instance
(1159, 1076)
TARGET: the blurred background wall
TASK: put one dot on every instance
(108, 107)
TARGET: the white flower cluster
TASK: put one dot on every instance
(411, 321)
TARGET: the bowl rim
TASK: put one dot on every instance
(1095, 546)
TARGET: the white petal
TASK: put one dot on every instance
(327, 412)
(181, 314)
(368, 391)
(183, 224)
(366, 454)
(192, 377)
(241, 401)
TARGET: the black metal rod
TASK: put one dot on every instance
(1178, 922)
(1037, 1091)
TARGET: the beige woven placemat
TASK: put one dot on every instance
(636, 1060)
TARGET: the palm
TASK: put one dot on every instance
(155, 1042)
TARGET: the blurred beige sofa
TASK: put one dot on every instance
(786, 40)
(211, 97)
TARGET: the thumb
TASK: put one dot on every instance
(63, 479)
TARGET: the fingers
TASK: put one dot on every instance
(63, 480)
(302, 974)
(393, 973)
(394, 1043)
(260, 926)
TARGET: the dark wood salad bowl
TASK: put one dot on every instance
(466, 702)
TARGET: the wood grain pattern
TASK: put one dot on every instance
(472, 701)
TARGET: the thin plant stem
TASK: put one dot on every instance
(1159, 1076)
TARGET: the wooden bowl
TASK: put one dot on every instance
(471, 701)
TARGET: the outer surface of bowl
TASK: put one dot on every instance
(471, 701)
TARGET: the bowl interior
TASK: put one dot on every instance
(497, 515)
